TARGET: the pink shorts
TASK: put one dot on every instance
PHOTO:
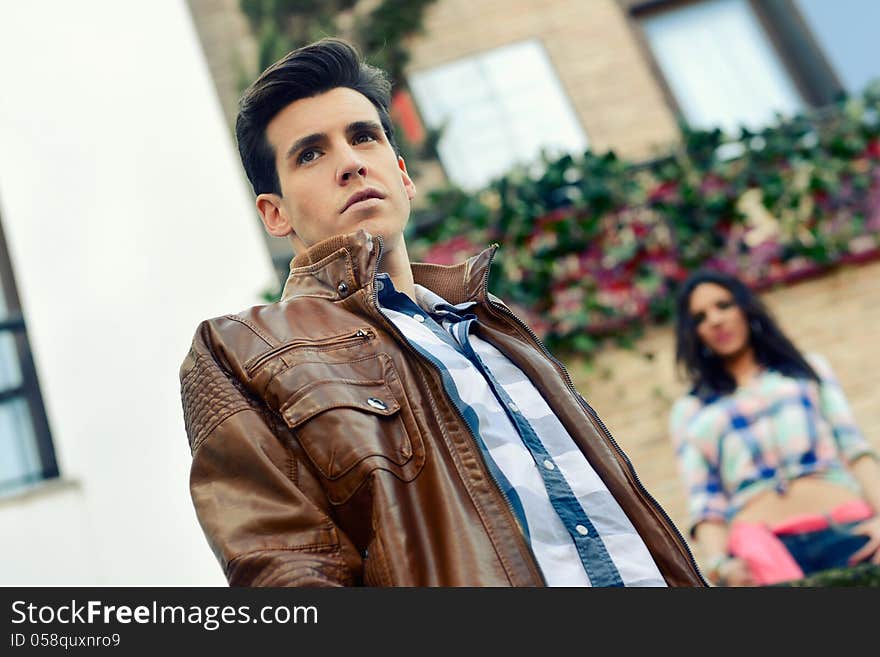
(768, 560)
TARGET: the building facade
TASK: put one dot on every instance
(126, 222)
(508, 79)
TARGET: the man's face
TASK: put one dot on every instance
(337, 170)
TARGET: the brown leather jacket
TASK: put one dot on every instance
(299, 480)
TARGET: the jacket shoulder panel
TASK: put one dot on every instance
(210, 392)
(209, 397)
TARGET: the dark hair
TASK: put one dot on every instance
(772, 347)
(302, 73)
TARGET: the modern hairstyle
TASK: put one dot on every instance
(302, 73)
(706, 370)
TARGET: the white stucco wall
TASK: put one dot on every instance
(127, 221)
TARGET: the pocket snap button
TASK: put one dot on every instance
(342, 288)
(377, 403)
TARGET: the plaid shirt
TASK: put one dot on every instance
(767, 432)
(578, 532)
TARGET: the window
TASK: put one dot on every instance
(497, 109)
(846, 31)
(720, 64)
(26, 452)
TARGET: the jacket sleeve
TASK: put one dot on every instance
(267, 524)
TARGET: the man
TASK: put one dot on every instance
(389, 423)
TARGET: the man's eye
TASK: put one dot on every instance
(307, 156)
(364, 137)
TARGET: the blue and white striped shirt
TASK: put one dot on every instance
(578, 532)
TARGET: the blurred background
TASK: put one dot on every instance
(609, 146)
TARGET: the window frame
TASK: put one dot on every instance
(29, 388)
(564, 97)
(787, 32)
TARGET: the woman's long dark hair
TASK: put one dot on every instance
(706, 370)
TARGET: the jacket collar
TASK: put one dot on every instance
(339, 266)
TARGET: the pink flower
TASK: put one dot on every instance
(873, 149)
(451, 251)
(664, 192)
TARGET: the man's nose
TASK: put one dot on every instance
(351, 167)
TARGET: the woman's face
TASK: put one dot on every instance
(720, 323)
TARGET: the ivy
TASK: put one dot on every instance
(863, 574)
(594, 247)
(284, 25)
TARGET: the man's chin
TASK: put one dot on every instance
(376, 227)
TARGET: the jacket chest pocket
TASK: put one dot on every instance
(352, 418)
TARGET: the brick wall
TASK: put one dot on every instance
(836, 315)
(231, 53)
(230, 48)
(593, 48)
(591, 44)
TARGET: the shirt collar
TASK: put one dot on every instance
(429, 301)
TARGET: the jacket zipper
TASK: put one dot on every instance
(409, 347)
(589, 409)
(361, 335)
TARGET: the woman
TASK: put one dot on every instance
(780, 481)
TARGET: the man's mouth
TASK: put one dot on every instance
(363, 195)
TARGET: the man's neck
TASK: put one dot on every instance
(395, 263)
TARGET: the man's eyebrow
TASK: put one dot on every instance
(318, 137)
(303, 142)
(357, 126)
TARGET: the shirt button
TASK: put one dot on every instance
(580, 529)
(419, 318)
(513, 407)
(549, 464)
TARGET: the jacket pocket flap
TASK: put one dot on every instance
(346, 414)
(373, 397)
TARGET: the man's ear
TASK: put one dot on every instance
(408, 184)
(273, 215)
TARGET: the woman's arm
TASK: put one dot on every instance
(866, 469)
(707, 502)
(721, 568)
(854, 450)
